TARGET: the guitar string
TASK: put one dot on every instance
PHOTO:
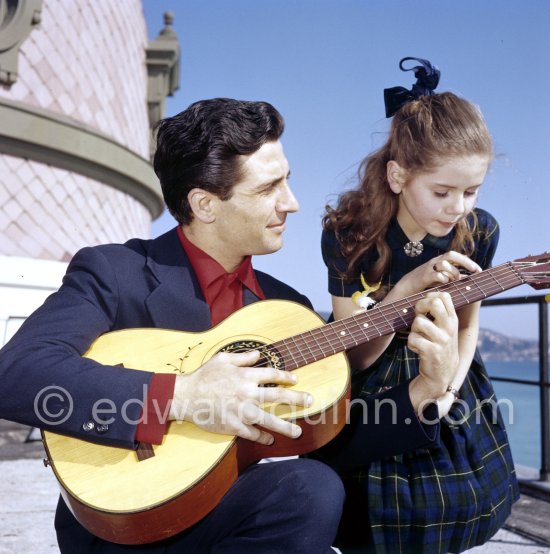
(455, 287)
(322, 330)
(512, 278)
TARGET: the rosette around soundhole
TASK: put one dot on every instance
(269, 355)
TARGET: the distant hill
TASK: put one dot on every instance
(501, 348)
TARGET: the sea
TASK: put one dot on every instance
(520, 408)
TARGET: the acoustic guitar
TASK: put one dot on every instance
(154, 492)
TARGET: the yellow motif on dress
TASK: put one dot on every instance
(361, 297)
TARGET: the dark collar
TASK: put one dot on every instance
(397, 238)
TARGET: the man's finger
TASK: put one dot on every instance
(435, 303)
(418, 343)
(243, 359)
(281, 426)
(284, 396)
(441, 308)
(266, 375)
(254, 415)
(254, 434)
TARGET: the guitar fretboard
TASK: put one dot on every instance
(319, 343)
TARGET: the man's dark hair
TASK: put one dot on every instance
(200, 146)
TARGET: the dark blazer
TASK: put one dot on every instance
(146, 283)
(143, 283)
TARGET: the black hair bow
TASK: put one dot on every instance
(427, 79)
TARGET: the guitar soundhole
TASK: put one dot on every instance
(270, 356)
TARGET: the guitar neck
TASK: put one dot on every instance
(319, 343)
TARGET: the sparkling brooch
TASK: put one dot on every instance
(413, 248)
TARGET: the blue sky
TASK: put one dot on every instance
(324, 65)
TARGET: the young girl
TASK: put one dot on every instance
(410, 225)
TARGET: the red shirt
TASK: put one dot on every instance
(223, 293)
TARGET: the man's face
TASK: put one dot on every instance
(252, 221)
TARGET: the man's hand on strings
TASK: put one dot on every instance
(224, 396)
(434, 337)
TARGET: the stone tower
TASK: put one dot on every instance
(80, 88)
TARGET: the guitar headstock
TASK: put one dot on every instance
(535, 270)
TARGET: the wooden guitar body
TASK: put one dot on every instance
(124, 500)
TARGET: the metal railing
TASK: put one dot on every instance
(543, 381)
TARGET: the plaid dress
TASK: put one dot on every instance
(444, 499)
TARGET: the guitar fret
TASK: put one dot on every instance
(325, 332)
(282, 348)
(350, 334)
(399, 311)
(363, 323)
(459, 290)
(383, 314)
(311, 353)
(324, 344)
(361, 326)
(408, 309)
(490, 273)
(313, 334)
(373, 324)
(298, 350)
(409, 304)
(517, 278)
(341, 334)
(480, 289)
(291, 351)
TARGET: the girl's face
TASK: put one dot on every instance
(435, 201)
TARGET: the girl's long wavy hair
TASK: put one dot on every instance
(423, 134)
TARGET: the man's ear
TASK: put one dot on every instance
(396, 176)
(202, 204)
